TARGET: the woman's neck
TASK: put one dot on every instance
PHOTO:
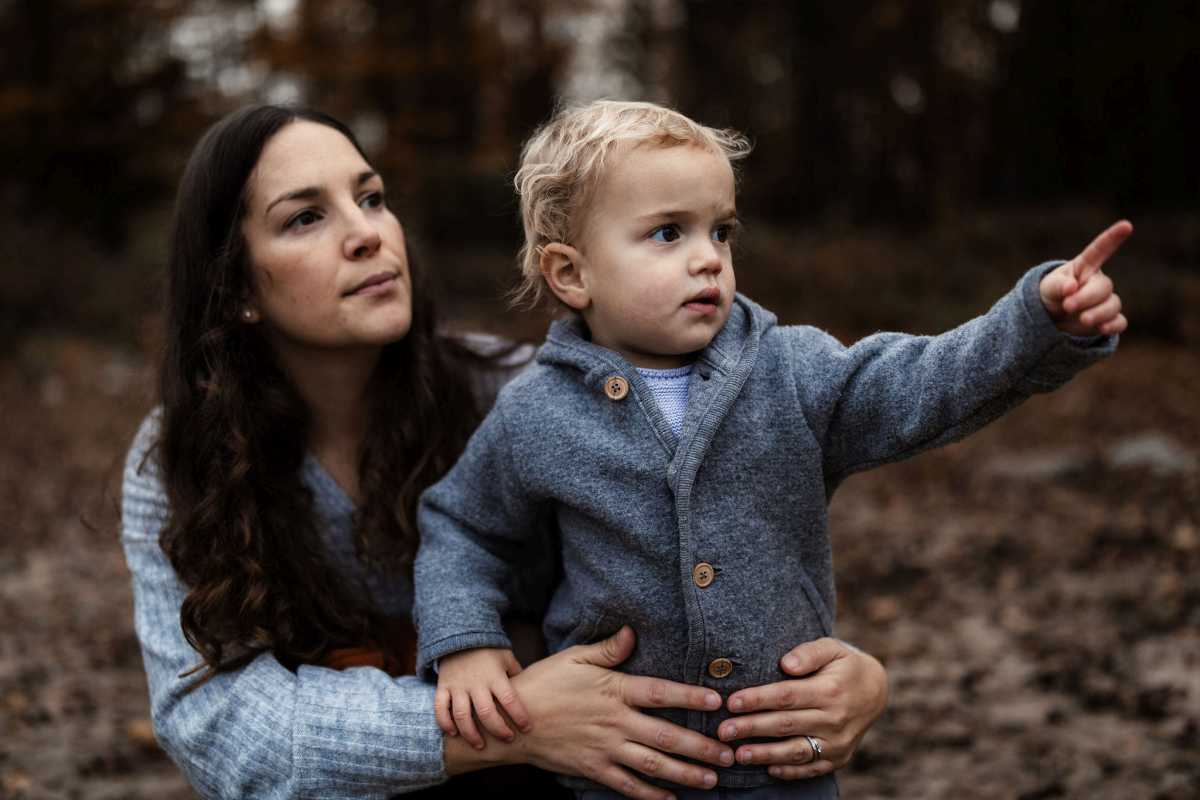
(333, 386)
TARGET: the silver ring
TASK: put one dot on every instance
(816, 748)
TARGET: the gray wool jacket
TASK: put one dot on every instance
(713, 546)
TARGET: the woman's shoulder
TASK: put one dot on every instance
(141, 454)
(143, 497)
(500, 351)
(493, 362)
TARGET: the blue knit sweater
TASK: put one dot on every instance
(263, 730)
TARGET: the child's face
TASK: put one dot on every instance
(655, 253)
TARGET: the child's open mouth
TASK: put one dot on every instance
(705, 302)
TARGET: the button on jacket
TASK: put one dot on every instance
(777, 417)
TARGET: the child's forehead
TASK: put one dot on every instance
(634, 177)
(625, 150)
(642, 162)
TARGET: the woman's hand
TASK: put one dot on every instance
(839, 693)
(586, 722)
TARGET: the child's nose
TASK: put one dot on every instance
(707, 259)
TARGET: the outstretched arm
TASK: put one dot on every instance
(892, 395)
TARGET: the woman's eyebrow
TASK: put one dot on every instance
(310, 192)
(307, 193)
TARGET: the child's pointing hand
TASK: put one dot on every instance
(1079, 296)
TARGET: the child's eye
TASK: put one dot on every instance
(725, 232)
(665, 233)
(302, 220)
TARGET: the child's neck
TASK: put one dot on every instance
(643, 360)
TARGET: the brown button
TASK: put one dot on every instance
(703, 574)
(720, 667)
(616, 387)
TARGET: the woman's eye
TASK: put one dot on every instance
(372, 200)
(303, 219)
(665, 233)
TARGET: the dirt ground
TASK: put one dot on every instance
(1033, 591)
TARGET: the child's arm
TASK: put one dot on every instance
(892, 395)
(468, 681)
(473, 525)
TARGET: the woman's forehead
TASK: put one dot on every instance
(304, 154)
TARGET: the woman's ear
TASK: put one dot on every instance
(562, 268)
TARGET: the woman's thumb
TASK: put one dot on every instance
(609, 652)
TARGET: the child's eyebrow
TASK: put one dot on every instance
(725, 214)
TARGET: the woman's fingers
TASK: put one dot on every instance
(809, 657)
(667, 737)
(655, 764)
(460, 711)
(796, 751)
(775, 724)
(606, 653)
(788, 772)
(777, 696)
(621, 780)
(643, 692)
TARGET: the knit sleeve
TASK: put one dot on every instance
(892, 395)
(475, 524)
(262, 730)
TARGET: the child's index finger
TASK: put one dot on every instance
(1100, 249)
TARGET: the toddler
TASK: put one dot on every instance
(682, 444)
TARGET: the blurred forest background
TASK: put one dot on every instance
(1033, 591)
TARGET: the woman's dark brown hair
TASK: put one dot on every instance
(233, 436)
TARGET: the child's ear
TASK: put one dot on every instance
(561, 267)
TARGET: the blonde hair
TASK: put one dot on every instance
(563, 161)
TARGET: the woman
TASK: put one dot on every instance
(268, 512)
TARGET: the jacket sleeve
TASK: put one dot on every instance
(892, 395)
(262, 730)
(475, 524)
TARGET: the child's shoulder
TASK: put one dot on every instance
(806, 341)
(786, 337)
(537, 387)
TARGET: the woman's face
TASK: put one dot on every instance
(327, 258)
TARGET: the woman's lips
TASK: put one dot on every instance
(379, 283)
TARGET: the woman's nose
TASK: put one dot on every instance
(362, 239)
